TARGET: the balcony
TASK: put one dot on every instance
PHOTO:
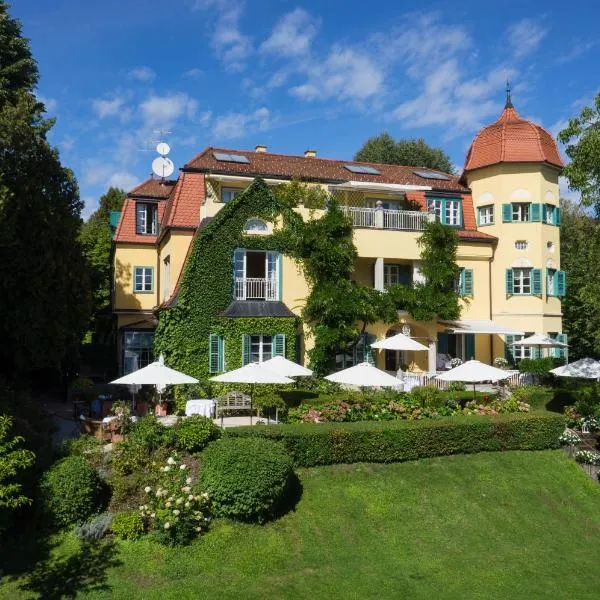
(255, 288)
(383, 218)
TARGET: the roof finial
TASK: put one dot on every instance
(509, 103)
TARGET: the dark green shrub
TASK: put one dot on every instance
(457, 386)
(246, 479)
(193, 433)
(71, 491)
(128, 525)
(427, 396)
(394, 441)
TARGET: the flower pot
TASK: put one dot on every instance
(160, 410)
(141, 409)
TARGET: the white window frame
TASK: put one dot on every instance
(391, 274)
(521, 244)
(262, 226)
(486, 215)
(549, 214)
(259, 344)
(146, 280)
(521, 352)
(452, 216)
(434, 205)
(142, 209)
(521, 212)
(229, 193)
(551, 282)
(522, 281)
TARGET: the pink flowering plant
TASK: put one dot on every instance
(174, 511)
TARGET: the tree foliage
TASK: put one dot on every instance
(582, 145)
(43, 280)
(383, 148)
(580, 259)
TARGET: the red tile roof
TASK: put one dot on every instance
(284, 166)
(512, 139)
(153, 188)
(126, 228)
(183, 208)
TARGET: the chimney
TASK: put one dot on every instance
(260, 148)
(310, 154)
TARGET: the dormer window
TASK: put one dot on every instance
(146, 218)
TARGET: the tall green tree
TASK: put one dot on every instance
(383, 148)
(581, 138)
(580, 259)
(43, 279)
(96, 239)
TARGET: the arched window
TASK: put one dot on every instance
(255, 225)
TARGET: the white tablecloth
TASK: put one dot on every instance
(204, 407)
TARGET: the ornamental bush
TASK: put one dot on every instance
(193, 433)
(394, 441)
(94, 529)
(247, 478)
(128, 525)
(174, 511)
(71, 491)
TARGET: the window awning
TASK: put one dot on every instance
(370, 186)
(479, 327)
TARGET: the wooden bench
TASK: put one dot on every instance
(234, 401)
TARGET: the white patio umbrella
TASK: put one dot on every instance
(586, 368)
(156, 374)
(540, 340)
(286, 367)
(399, 342)
(364, 375)
(253, 374)
(473, 372)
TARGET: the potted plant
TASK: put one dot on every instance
(122, 412)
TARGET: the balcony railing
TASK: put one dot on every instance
(384, 218)
(255, 288)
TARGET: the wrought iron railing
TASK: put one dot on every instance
(255, 288)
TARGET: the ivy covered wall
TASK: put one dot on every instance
(206, 286)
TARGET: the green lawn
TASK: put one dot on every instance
(492, 526)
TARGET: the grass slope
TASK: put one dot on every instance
(498, 525)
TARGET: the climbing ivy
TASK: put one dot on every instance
(337, 309)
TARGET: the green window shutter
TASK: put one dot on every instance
(213, 353)
(469, 346)
(467, 282)
(279, 344)
(245, 349)
(507, 213)
(536, 352)
(535, 212)
(509, 282)
(509, 349)
(562, 352)
(560, 283)
(536, 282)
(369, 339)
(442, 343)
(221, 353)
(556, 215)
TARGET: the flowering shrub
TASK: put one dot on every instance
(572, 416)
(569, 438)
(173, 510)
(500, 362)
(128, 525)
(495, 407)
(587, 457)
(455, 362)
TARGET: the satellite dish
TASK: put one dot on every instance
(163, 167)
(163, 148)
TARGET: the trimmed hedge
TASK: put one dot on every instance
(395, 441)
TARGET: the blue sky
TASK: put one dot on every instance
(292, 75)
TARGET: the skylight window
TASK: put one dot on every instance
(432, 175)
(236, 158)
(365, 170)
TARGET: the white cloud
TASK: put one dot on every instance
(67, 143)
(164, 110)
(229, 43)
(50, 103)
(525, 36)
(576, 50)
(565, 192)
(194, 73)
(106, 175)
(438, 59)
(292, 34)
(142, 74)
(90, 204)
(346, 74)
(557, 127)
(114, 107)
(235, 125)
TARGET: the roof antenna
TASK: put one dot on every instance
(161, 165)
(509, 103)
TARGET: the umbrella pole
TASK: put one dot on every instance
(251, 398)
(473, 391)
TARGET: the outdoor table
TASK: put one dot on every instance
(201, 406)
